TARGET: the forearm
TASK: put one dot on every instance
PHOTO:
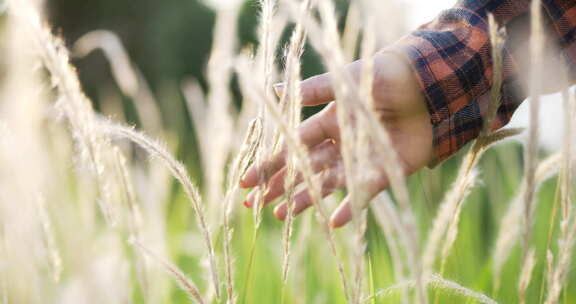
(451, 58)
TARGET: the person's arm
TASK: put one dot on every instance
(431, 103)
(451, 58)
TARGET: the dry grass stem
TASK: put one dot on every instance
(127, 76)
(73, 102)
(536, 53)
(558, 273)
(68, 245)
(436, 282)
(323, 39)
(220, 119)
(446, 221)
(304, 166)
(511, 222)
(54, 258)
(387, 218)
(183, 281)
(292, 99)
(178, 170)
(526, 275)
(129, 196)
(240, 165)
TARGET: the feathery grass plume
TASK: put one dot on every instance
(265, 58)
(128, 77)
(530, 163)
(501, 135)
(292, 100)
(452, 231)
(333, 59)
(270, 30)
(197, 109)
(566, 244)
(509, 231)
(3, 290)
(3, 267)
(54, 258)
(351, 32)
(240, 165)
(558, 273)
(255, 91)
(497, 44)
(436, 282)
(550, 271)
(351, 147)
(361, 156)
(3, 272)
(526, 275)
(178, 170)
(305, 238)
(220, 120)
(72, 101)
(219, 100)
(447, 218)
(183, 281)
(387, 218)
(448, 211)
(134, 214)
(349, 140)
(265, 65)
(266, 62)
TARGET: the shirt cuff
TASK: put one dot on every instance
(451, 58)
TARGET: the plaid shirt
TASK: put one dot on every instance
(451, 57)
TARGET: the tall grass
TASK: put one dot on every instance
(84, 219)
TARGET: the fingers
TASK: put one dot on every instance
(312, 132)
(343, 214)
(334, 180)
(324, 156)
(317, 90)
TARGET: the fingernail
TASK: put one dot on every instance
(247, 204)
(243, 184)
(279, 88)
(277, 212)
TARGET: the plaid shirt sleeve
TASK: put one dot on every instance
(451, 57)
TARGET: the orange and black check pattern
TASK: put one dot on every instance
(451, 57)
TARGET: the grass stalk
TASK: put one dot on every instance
(183, 281)
(511, 222)
(128, 77)
(178, 170)
(291, 97)
(72, 101)
(303, 161)
(558, 273)
(536, 53)
(437, 282)
(334, 60)
(445, 224)
(240, 165)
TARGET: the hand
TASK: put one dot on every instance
(401, 108)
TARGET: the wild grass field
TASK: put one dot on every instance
(101, 202)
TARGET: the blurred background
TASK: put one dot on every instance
(170, 41)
